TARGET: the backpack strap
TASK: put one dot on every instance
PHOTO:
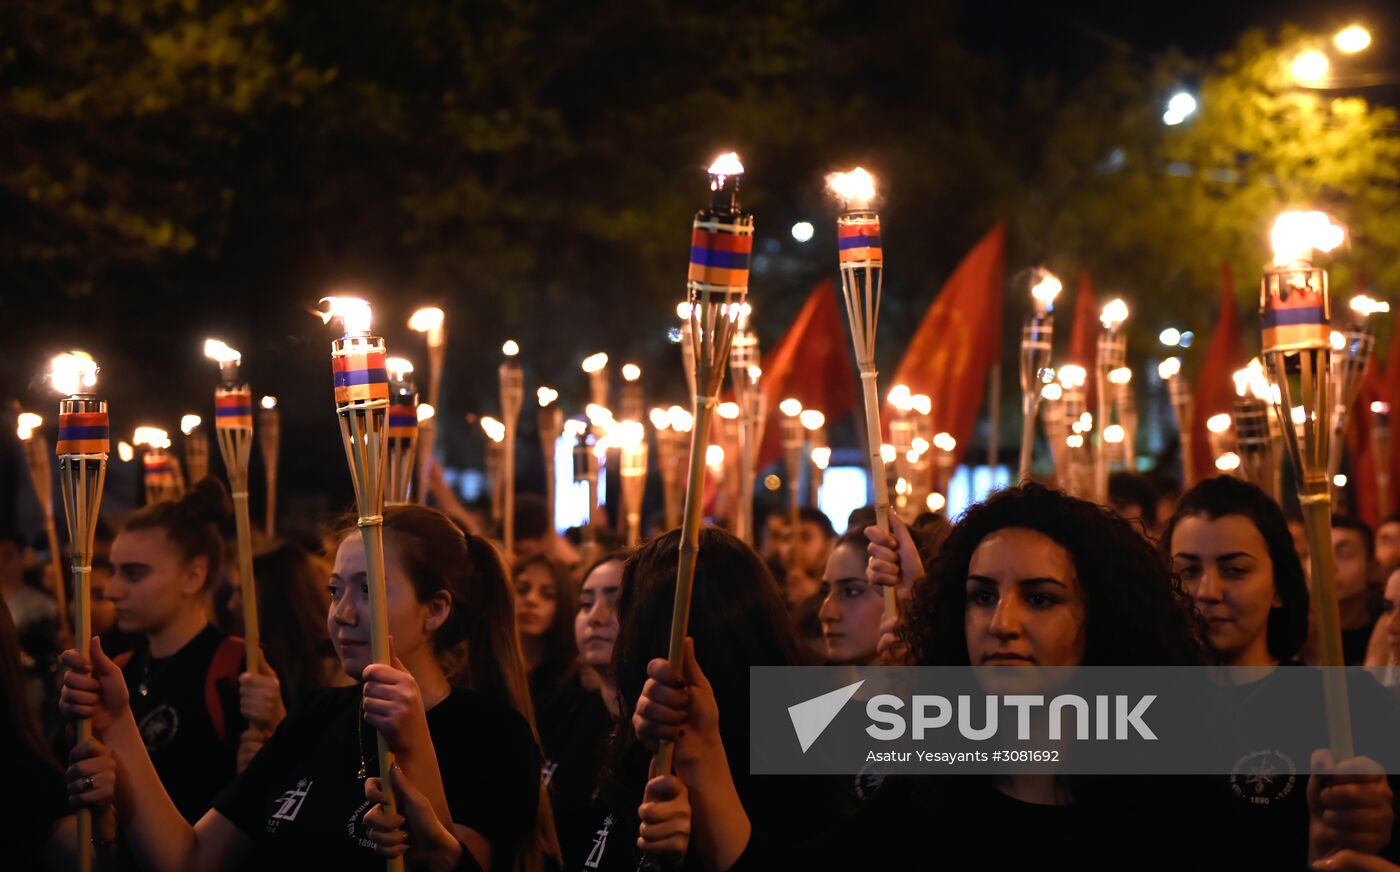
(225, 665)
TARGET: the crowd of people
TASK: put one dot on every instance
(527, 693)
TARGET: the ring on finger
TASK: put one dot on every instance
(86, 784)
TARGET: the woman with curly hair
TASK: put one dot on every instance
(1031, 577)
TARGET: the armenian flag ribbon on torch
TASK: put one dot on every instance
(858, 240)
(233, 408)
(719, 253)
(82, 433)
(360, 377)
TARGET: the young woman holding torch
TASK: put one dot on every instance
(453, 705)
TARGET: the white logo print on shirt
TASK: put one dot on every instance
(600, 844)
(289, 805)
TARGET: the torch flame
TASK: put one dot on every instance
(936, 502)
(683, 311)
(125, 453)
(1227, 462)
(944, 442)
(918, 446)
(681, 420)
(1046, 288)
(221, 352)
(791, 407)
(1299, 414)
(714, 455)
(1120, 376)
(269, 402)
(755, 373)
(631, 434)
(659, 420)
(152, 436)
(1052, 392)
(573, 428)
(398, 367)
(888, 453)
(1074, 440)
(1115, 312)
(727, 164)
(922, 404)
(28, 423)
(728, 411)
(599, 416)
(631, 372)
(1218, 423)
(545, 396)
(1113, 434)
(812, 419)
(425, 412)
(901, 398)
(188, 423)
(1296, 235)
(73, 372)
(1169, 368)
(426, 320)
(510, 348)
(1366, 306)
(495, 430)
(855, 188)
(595, 362)
(354, 313)
(821, 457)
(1072, 376)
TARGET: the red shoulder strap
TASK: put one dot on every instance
(226, 663)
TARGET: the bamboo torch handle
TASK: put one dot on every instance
(1317, 517)
(372, 531)
(690, 547)
(877, 465)
(248, 591)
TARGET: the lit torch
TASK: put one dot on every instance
(794, 438)
(512, 401)
(551, 423)
(495, 432)
(431, 322)
(1253, 436)
(1380, 441)
(233, 426)
(196, 447)
(902, 428)
(814, 422)
(745, 375)
(158, 470)
(403, 431)
(81, 446)
(596, 366)
(862, 258)
(270, 443)
(632, 442)
(361, 381)
(1037, 336)
(1112, 354)
(1075, 419)
(1294, 313)
(631, 404)
(717, 282)
(1351, 355)
(36, 455)
(1179, 394)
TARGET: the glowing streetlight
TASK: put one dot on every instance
(1310, 67)
(803, 231)
(1180, 107)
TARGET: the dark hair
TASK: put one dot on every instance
(737, 619)
(560, 649)
(292, 603)
(1351, 522)
(477, 644)
(191, 523)
(531, 517)
(1136, 613)
(860, 518)
(1223, 495)
(23, 750)
(818, 517)
(1130, 489)
(618, 555)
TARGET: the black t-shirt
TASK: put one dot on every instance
(169, 702)
(302, 803)
(574, 729)
(1268, 792)
(1354, 644)
(41, 799)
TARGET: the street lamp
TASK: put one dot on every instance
(1310, 67)
(1180, 107)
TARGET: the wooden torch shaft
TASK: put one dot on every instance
(372, 532)
(689, 548)
(1028, 404)
(508, 510)
(878, 478)
(1317, 518)
(248, 591)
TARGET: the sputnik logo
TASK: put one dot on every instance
(810, 718)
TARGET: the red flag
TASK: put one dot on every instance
(1387, 390)
(811, 363)
(1215, 390)
(1361, 459)
(959, 339)
(1084, 336)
